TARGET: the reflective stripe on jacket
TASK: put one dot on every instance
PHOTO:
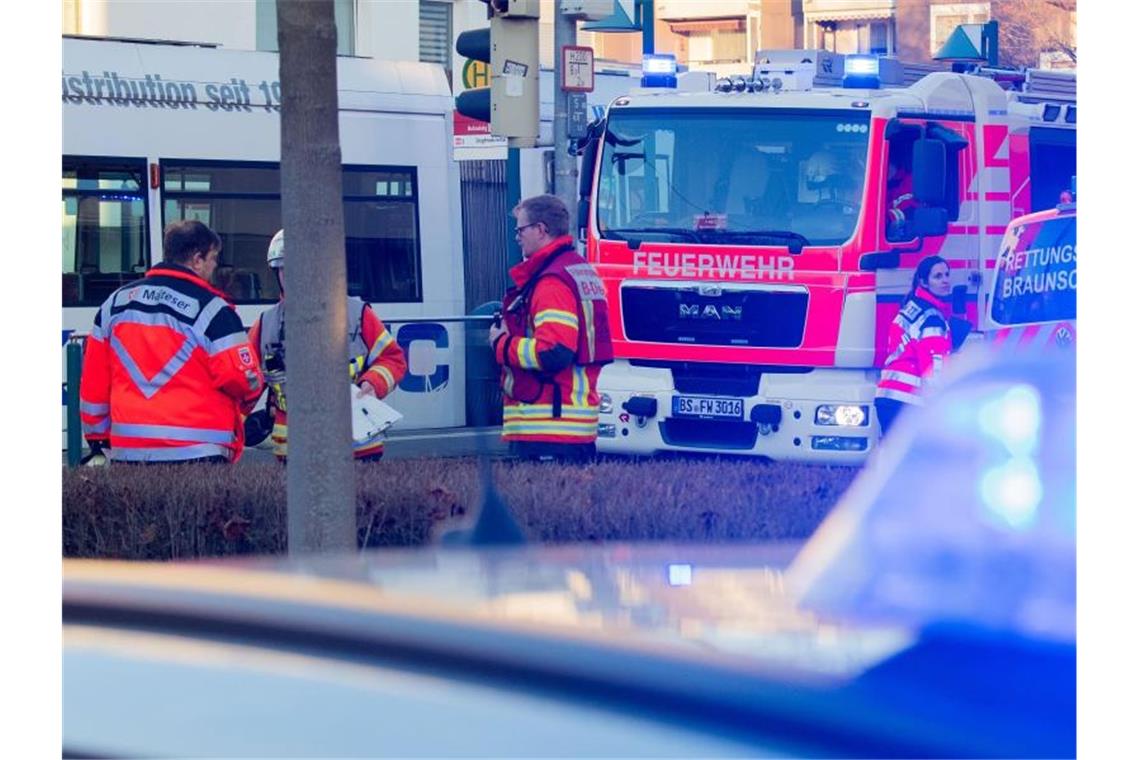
(373, 357)
(168, 371)
(556, 344)
(918, 340)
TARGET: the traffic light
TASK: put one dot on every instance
(510, 47)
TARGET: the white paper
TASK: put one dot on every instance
(370, 416)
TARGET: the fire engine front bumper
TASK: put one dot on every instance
(824, 415)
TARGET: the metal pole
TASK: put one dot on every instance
(514, 195)
(646, 7)
(565, 165)
(74, 425)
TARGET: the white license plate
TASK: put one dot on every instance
(708, 406)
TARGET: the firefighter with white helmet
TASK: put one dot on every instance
(276, 254)
(376, 361)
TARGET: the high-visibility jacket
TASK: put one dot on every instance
(918, 340)
(557, 341)
(374, 357)
(168, 371)
(901, 204)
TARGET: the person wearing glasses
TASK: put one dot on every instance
(552, 340)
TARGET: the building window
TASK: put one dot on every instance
(879, 38)
(242, 203)
(718, 46)
(344, 13)
(435, 34)
(855, 36)
(104, 227)
(944, 19)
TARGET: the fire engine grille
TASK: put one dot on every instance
(749, 318)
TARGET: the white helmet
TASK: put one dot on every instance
(276, 253)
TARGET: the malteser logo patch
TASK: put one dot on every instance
(246, 356)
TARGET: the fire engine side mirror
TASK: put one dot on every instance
(930, 221)
(929, 171)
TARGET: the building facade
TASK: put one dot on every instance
(406, 30)
(723, 35)
(709, 35)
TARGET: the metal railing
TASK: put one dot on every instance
(482, 402)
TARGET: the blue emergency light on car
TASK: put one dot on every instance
(861, 72)
(659, 70)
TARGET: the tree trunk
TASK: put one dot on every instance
(320, 482)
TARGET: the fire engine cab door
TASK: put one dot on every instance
(964, 187)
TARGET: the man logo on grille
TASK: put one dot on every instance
(711, 311)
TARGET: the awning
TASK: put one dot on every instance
(704, 26)
(816, 11)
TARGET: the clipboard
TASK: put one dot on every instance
(371, 417)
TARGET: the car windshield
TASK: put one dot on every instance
(743, 176)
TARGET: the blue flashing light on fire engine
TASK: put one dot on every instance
(659, 70)
(861, 72)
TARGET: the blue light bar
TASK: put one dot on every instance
(861, 65)
(659, 70)
(861, 71)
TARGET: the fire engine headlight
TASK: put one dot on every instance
(606, 404)
(844, 415)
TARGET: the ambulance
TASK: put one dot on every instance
(757, 237)
(1032, 301)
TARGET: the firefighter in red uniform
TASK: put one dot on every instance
(901, 202)
(168, 372)
(553, 340)
(376, 363)
(918, 340)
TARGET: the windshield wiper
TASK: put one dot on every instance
(794, 240)
(622, 233)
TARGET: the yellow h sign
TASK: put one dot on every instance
(475, 74)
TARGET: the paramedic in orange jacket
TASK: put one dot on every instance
(553, 339)
(168, 371)
(918, 341)
(376, 362)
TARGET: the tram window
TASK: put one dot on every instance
(104, 227)
(381, 233)
(242, 203)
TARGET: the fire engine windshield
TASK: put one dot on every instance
(759, 176)
(1035, 279)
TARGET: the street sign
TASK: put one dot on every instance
(472, 139)
(577, 68)
(475, 74)
(577, 120)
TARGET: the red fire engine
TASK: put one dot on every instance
(757, 237)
